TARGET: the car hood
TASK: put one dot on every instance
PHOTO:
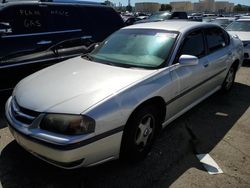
(74, 85)
(243, 36)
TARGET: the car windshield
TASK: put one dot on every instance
(144, 48)
(160, 16)
(239, 26)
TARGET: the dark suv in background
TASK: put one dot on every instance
(36, 34)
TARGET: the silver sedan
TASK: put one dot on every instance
(241, 28)
(113, 102)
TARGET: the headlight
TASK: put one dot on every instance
(68, 124)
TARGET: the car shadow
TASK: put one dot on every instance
(246, 63)
(197, 131)
(3, 99)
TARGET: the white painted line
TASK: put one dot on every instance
(209, 164)
(221, 114)
(0, 180)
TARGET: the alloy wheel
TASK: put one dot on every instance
(145, 131)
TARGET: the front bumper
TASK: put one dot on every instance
(89, 152)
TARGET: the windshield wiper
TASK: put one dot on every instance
(88, 46)
(87, 56)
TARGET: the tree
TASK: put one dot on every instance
(168, 7)
(238, 8)
(109, 3)
(162, 7)
(165, 7)
(241, 8)
(129, 8)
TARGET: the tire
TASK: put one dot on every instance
(139, 134)
(229, 80)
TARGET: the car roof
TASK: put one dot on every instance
(37, 2)
(241, 20)
(170, 25)
(245, 17)
(225, 18)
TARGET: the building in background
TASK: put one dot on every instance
(223, 6)
(198, 6)
(147, 7)
(182, 6)
(201, 6)
(205, 5)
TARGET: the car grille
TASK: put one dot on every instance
(22, 115)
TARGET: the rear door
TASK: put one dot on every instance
(64, 22)
(219, 54)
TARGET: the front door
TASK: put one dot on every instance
(191, 80)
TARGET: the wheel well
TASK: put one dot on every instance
(155, 101)
(236, 64)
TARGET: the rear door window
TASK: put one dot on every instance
(65, 22)
(63, 17)
(216, 39)
(104, 21)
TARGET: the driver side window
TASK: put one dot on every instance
(193, 45)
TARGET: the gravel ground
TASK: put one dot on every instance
(219, 126)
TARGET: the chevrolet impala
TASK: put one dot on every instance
(112, 102)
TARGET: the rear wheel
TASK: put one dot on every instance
(229, 80)
(139, 134)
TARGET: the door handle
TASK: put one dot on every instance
(44, 42)
(5, 28)
(5, 31)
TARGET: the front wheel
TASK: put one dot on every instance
(229, 80)
(139, 134)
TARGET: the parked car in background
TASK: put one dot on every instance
(16, 66)
(245, 17)
(241, 28)
(113, 102)
(164, 15)
(223, 21)
(129, 20)
(32, 27)
(208, 19)
(195, 17)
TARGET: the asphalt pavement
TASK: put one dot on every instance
(220, 126)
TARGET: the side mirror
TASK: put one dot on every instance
(186, 60)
